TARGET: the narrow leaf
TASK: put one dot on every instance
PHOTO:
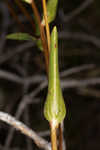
(25, 37)
(21, 37)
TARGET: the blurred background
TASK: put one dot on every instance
(23, 82)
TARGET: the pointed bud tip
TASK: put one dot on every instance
(54, 29)
(54, 35)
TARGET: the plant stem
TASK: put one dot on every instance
(39, 141)
(60, 137)
(42, 34)
(46, 23)
(53, 136)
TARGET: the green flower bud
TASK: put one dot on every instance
(54, 109)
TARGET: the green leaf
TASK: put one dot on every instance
(21, 37)
(54, 108)
(25, 37)
(51, 10)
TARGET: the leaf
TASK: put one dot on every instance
(25, 37)
(51, 10)
(54, 108)
(21, 37)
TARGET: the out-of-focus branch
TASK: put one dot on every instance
(14, 14)
(44, 133)
(81, 36)
(72, 83)
(77, 11)
(39, 78)
(89, 92)
(76, 69)
(18, 49)
(39, 141)
(25, 12)
(27, 99)
(20, 80)
(10, 76)
(66, 83)
(27, 122)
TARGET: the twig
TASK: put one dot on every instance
(19, 49)
(44, 133)
(66, 83)
(20, 80)
(42, 34)
(69, 83)
(80, 36)
(39, 141)
(89, 92)
(10, 76)
(27, 122)
(14, 15)
(39, 78)
(53, 136)
(75, 12)
(46, 23)
(72, 83)
(27, 99)
(60, 138)
(76, 69)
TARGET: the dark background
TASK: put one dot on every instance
(22, 71)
